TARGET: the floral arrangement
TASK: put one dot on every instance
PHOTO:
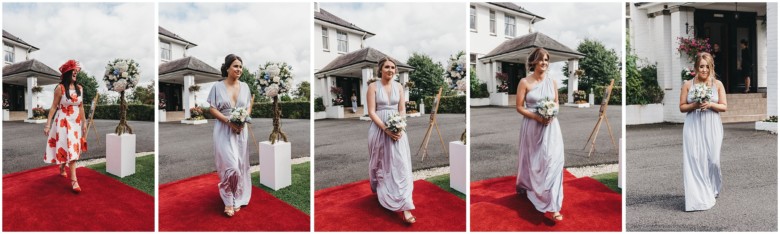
(196, 113)
(547, 108)
(504, 78)
(687, 74)
(194, 88)
(456, 69)
(411, 107)
(238, 115)
(579, 96)
(121, 75)
(274, 79)
(162, 104)
(693, 46)
(6, 101)
(37, 89)
(396, 123)
(702, 93)
(338, 101)
(337, 91)
(39, 113)
(771, 119)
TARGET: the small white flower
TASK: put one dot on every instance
(273, 70)
(124, 74)
(276, 79)
(272, 90)
(120, 85)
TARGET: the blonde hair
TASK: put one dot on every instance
(535, 58)
(707, 57)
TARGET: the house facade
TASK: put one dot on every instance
(654, 29)
(21, 74)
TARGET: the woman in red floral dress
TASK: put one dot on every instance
(66, 141)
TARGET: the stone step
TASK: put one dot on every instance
(174, 116)
(17, 115)
(348, 112)
(742, 118)
(745, 95)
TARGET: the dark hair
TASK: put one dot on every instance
(65, 80)
(744, 42)
(535, 57)
(229, 59)
(382, 63)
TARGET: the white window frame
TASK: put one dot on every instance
(8, 51)
(492, 22)
(473, 18)
(345, 41)
(510, 26)
(163, 51)
(325, 40)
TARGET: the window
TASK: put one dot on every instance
(165, 51)
(341, 37)
(492, 22)
(325, 42)
(509, 26)
(473, 61)
(473, 18)
(8, 55)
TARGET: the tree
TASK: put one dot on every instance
(143, 94)
(251, 80)
(427, 76)
(89, 84)
(304, 91)
(599, 65)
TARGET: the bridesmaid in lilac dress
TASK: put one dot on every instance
(230, 141)
(702, 137)
(540, 166)
(390, 162)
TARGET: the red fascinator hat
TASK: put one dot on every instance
(70, 65)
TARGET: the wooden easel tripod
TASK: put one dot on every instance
(602, 117)
(433, 123)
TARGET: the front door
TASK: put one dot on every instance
(727, 29)
(15, 96)
(172, 95)
(515, 72)
(348, 87)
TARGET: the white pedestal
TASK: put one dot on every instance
(458, 170)
(6, 115)
(591, 99)
(275, 165)
(479, 102)
(335, 112)
(320, 115)
(499, 99)
(163, 116)
(35, 121)
(120, 154)
(194, 122)
(620, 164)
(581, 105)
(766, 126)
(422, 108)
(413, 115)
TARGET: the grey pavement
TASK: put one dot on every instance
(187, 150)
(341, 147)
(654, 184)
(495, 134)
(24, 143)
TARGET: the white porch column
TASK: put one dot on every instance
(32, 81)
(573, 84)
(761, 56)
(404, 77)
(328, 96)
(665, 45)
(365, 73)
(188, 100)
(491, 77)
(672, 96)
(771, 71)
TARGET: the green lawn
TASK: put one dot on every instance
(143, 179)
(610, 180)
(443, 181)
(297, 194)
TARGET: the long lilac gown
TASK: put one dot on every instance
(540, 166)
(702, 138)
(230, 154)
(390, 162)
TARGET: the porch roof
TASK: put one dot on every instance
(17, 73)
(173, 71)
(356, 60)
(517, 49)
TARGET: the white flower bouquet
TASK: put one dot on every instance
(239, 115)
(396, 123)
(702, 93)
(547, 108)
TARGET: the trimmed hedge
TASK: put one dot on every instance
(319, 105)
(137, 112)
(614, 98)
(449, 104)
(290, 110)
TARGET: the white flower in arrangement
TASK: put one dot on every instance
(276, 79)
(455, 74)
(702, 93)
(263, 82)
(125, 74)
(111, 77)
(238, 115)
(396, 123)
(462, 85)
(273, 70)
(120, 85)
(547, 108)
(122, 66)
(272, 90)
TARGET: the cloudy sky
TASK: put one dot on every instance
(435, 29)
(571, 23)
(257, 32)
(92, 33)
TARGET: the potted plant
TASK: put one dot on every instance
(504, 78)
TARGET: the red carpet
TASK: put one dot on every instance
(193, 204)
(588, 205)
(353, 207)
(41, 200)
